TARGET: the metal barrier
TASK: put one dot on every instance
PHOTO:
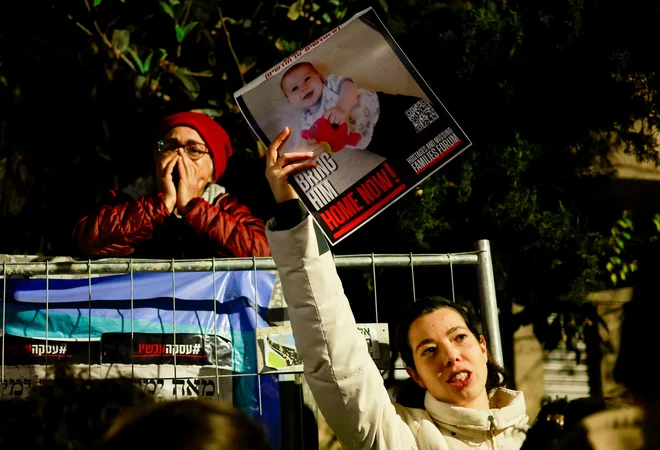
(91, 269)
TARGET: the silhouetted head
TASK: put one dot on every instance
(191, 424)
(557, 417)
(73, 412)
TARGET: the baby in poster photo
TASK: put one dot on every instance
(337, 111)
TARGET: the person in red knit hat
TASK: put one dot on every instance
(180, 212)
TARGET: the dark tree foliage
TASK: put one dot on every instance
(545, 89)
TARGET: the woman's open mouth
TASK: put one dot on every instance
(460, 379)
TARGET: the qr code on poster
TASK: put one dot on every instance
(421, 114)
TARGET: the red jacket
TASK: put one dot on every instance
(144, 228)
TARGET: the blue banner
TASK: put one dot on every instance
(180, 302)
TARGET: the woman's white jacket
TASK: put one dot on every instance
(346, 383)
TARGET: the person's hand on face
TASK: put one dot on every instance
(191, 184)
(165, 183)
(280, 165)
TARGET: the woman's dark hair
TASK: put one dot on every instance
(191, 424)
(497, 376)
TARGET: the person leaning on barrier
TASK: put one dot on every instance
(181, 212)
(191, 424)
(463, 406)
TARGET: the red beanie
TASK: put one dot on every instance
(215, 137)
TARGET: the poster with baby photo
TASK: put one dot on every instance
(355, 100)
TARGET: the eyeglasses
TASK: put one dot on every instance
(194, 150)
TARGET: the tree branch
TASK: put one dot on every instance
(198, 74)
(185, 17)
(183, 23)
(103, 37)
(102, 34)
(111, 47)
(231, 47)
(82, 27)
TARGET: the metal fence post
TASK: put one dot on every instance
(488, 300)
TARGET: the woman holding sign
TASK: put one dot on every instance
(464, 406)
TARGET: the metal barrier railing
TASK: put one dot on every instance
(90, 269)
